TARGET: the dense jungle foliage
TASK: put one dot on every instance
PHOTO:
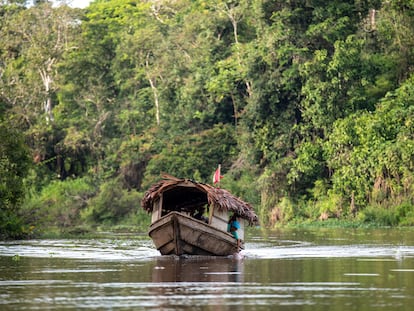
(308, 105)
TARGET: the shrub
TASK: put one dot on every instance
(112, 204)
(59, 204)
(402, 214)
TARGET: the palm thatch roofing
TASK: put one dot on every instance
(186, 194)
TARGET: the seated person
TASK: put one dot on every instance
(199, 216)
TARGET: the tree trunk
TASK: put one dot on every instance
(156, 102)
(47, 83)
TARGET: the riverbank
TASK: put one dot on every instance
(366, 219)
(370, 217)
(335, 223)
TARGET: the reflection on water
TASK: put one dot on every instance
(197, 269)
(287, 270)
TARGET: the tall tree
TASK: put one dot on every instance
(41, 35)
(14, 164)
(35, 40)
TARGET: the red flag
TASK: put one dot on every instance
(217, 175)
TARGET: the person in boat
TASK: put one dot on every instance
(232, 227)
(199, 216)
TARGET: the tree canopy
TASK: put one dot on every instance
(307, 105)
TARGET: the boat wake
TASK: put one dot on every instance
(107, 249)
(133, 250)
(307, 250)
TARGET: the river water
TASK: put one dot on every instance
(324, 269)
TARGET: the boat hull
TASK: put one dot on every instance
(178, 234)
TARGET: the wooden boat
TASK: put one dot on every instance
(175, 203)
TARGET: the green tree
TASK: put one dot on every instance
(270, 118)
(194, 156)
(14, 164)
(39, 36)
(35, 40)
(90, 95)
(371, 155)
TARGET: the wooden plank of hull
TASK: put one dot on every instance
(179, 234)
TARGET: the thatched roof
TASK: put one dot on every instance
(188, 193)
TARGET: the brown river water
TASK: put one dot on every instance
(321, 269)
